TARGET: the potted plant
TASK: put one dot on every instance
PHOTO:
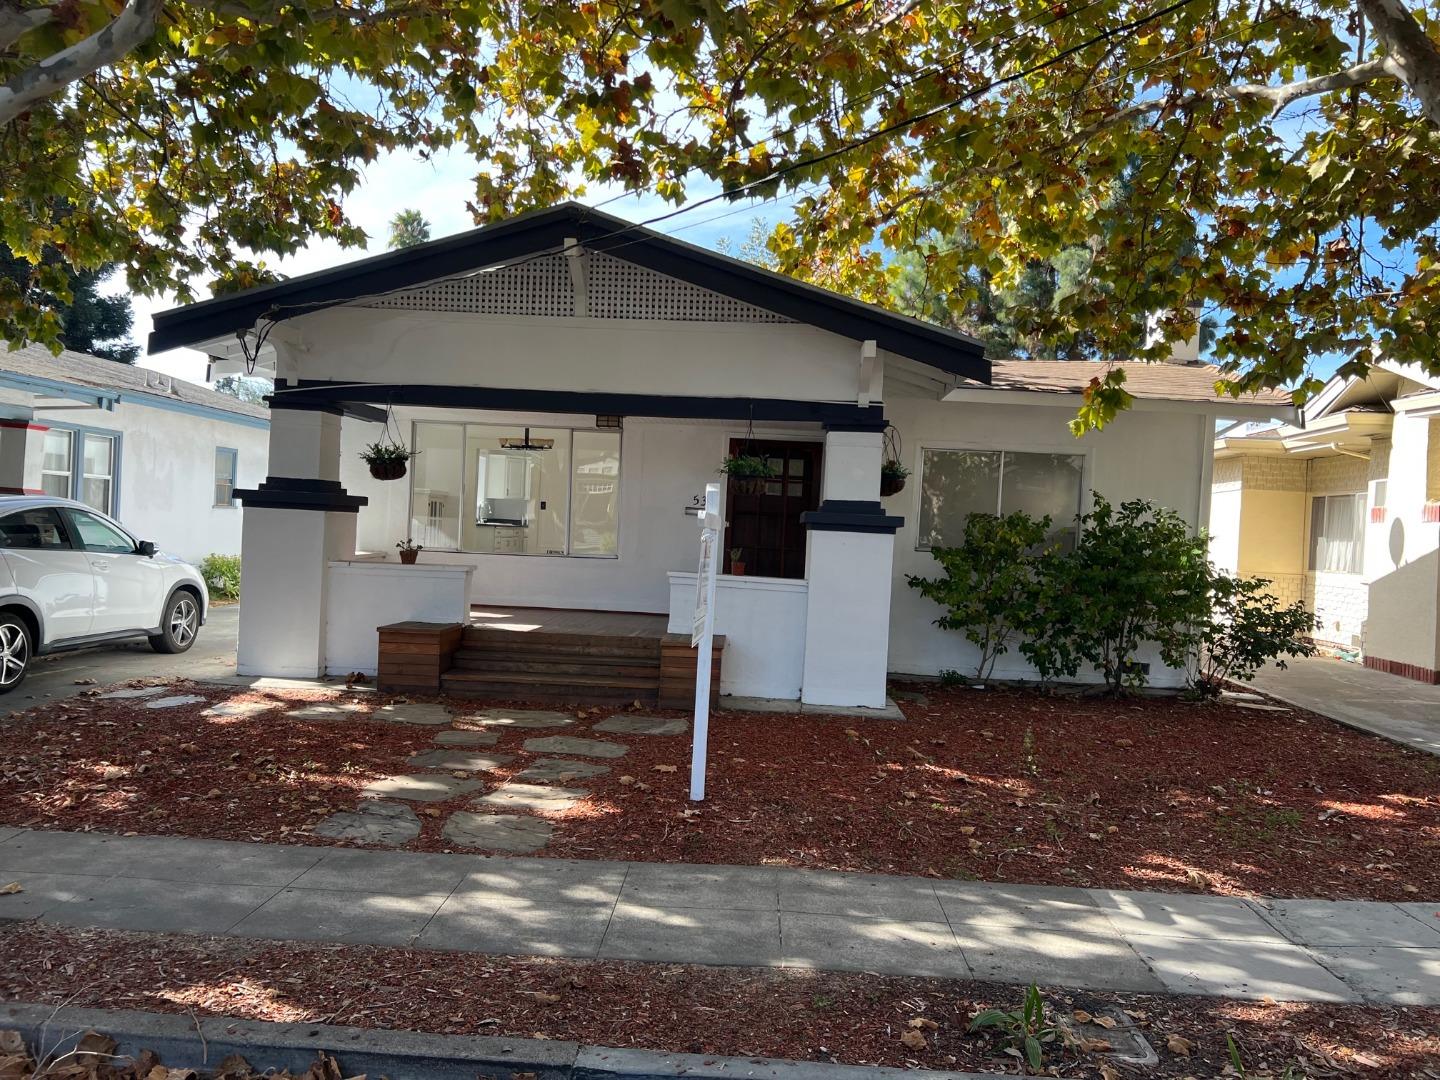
(892, 477)
(409, 550)
(748, 473)
(386, 460)
(736, 566)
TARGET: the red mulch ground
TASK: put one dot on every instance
(999, 785)
(851, 1018)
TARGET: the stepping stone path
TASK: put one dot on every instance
(530, 797)
(240, 708)
(569, 744)
(645, 725)
(418, 715)
(374, 822)
(459, 759)
(522, 718)
(133, 692)
(431, 787)
(345, 710)
(467, 738)
(548, 769)
(174, 702)
(501, 832)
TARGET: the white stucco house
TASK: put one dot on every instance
(160, 454)
(571, 382)
(1341, 510)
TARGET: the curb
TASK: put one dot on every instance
(204, 1042)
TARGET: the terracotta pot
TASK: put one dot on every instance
(387, 470)
(409, 557)
(891, 485)
(737, 568)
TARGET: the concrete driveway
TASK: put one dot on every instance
(54, 677)
(1403, 710)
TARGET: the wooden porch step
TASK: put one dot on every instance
(580, 689)
(532, 640)
(545, 662)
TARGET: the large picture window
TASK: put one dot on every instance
(503, 490)
(957, 483)
(81, 464)
(1337, 533)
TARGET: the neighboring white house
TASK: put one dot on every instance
(1342, 510)
(161, 455)
(571, 382)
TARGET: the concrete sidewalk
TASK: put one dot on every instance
(1401, 710)
(1304, 950)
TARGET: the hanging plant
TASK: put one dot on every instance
(386, 460)
(748, 473)
(892, 472)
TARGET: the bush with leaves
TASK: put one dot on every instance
(1248, 627)
(222, 576)
(1137, 574)
(988, 588)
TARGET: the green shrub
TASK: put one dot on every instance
(988, 591)
(1247, 628)
(222, 576)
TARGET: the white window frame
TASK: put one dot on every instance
(111, 478)
(917, 469)
(1312, 553)
(233, 455)
(68, 473)
(509, 428)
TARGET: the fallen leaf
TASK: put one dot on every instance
(663, 768)
(12, 889)
(1105, 1021)
(923, 1023)
(1108, 1071)
(913, 1039)
(1095, 1046)
(1082, 1017)
(626, 781)
(1124, 742)
(1177, 1045)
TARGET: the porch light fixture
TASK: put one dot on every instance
(509, 442)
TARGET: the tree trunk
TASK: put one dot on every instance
(1412, 55)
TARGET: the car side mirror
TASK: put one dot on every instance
(146, 548)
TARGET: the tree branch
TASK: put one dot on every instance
(1413, 56)
(125, 32)
(1278, 97)
(16, 23)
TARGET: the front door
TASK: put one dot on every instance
(765, 529)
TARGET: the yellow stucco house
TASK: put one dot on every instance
(1342, 511)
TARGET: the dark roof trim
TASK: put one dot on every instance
(310, 394)
(542, 230)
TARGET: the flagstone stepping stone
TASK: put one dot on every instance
(569, 744)
(531, 797)
(468, 738)
(374, 821)
(645, 725)
(174, 702)
(429, 787)
(240, 708)
(133, 692)
(501, 832)
(344, 710)
(418, 715)
(548, 769)
(522, 718)
(458, 759)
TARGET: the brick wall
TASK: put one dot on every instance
(1338, 475)
(1273, 473)
(1228, 471)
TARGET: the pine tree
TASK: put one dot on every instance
(90, 323)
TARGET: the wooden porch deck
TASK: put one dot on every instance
(541, 654)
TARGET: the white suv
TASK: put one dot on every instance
(71, 577)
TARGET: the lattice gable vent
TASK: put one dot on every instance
(541, 287)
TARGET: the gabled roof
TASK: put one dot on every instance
(1183, 383)
(548, 230)
(35, 368)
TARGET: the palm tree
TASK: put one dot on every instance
(408, 228)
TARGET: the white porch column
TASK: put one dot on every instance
(296, 521)
(22, 442)
(849, 558)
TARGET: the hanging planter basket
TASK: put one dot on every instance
(387, 470)
(892, 469)
(891, 484)
(748, 485)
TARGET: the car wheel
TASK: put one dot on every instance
(14, 652)
(180, 624)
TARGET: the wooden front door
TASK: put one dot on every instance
(766, 527)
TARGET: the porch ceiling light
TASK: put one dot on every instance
(509, 442)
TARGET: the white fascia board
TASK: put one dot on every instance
(1418, 404)
(1228, 409)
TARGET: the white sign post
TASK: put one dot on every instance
(702, 634)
